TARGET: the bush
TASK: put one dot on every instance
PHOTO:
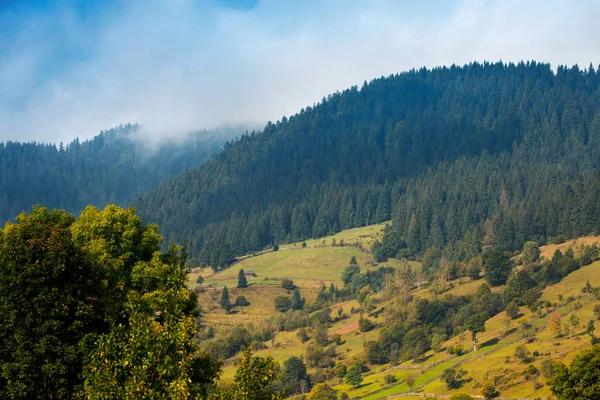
(488, 390)
(512, 310)
(200, 280)
(303, 335)
(287, 284)
(460, 396)
(241, 301)
(340, 370)
(283, 303)
(365, 324)
(453, 377)
(388, 379)
(522, 353)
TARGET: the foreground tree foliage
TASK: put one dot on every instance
(91, 308)
(580, 380)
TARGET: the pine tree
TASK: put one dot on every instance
(297, 301)
(224, 302)
(242, 281)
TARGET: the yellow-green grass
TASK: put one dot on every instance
(572, 284)
(319, 263)
(547, 251)
(261, 298)
(365, 235)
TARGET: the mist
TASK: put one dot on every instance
(71, 69)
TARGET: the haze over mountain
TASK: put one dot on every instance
(73, 68)
(114, 167)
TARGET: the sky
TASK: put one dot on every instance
(73, 68)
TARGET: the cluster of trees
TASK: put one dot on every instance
(91, 307)
(116, 166)
(459, 158)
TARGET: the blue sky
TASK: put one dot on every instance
(72, 68)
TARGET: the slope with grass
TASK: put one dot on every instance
(495, 359)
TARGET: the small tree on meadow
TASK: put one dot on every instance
(224, 302)
(512, 310)
(488, 390)
(572, 324)
(555, 324)
(476, 324)
(242, 281)
(354, 376)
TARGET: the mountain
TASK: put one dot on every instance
(113, 167)
(486, 154)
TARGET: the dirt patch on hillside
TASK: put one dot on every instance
(351, 327)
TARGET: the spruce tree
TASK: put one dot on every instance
(242, 281)
(297, 301)
(225, 304)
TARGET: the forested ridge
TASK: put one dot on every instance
(114, 167)
(458, 157)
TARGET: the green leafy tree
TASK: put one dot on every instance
(340, 370)
(530, 253)
(111, 314)
(460, 396)
(322, 391)
(522, 353)
(294, 376)
(580, 380)
(476, 324)
(488, 390)
(365, 324)
(512, 310)
(255, 377)
(242, 282)
(225, 302)
(287, 284)
(453, 378)
(349, 272)
(498, 267)
(49, 315)
(354, 376)
(283, 303)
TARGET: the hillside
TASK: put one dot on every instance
(458, 157)
(116, 166)
(494, 360)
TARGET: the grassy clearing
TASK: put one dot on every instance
(319, 263)
(547, 251)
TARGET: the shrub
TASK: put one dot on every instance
(460, 396)
(340, 370)
(388, 379)
(453, 377)
(488, 390)
(522, 353)
(200, 280)
(303, 335)
(283, 303)
(241, 301)
(365, 324)
(287, 284)
(512, 310)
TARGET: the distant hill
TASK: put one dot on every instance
(458, 157)
(113, 167)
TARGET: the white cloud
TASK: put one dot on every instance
(174, 66)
